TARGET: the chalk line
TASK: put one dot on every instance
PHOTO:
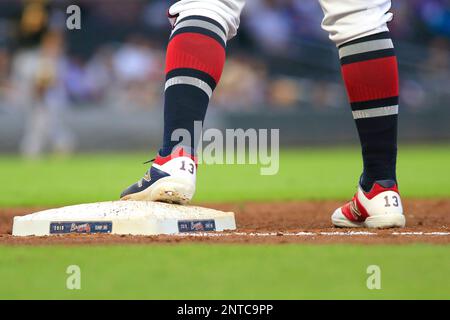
(310, 234)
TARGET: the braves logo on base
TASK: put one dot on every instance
(196, 225)
(80, 227)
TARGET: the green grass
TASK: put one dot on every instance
(226, 272)
(220, 271)
(304, 174)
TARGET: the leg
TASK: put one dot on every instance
(36, 133)
(369, 69)
(194, 63)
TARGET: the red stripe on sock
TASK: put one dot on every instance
(372, 79)
(196, 51)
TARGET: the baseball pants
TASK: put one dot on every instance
(344, 20)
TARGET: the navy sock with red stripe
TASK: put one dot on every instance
(194, 64)
(370, 73)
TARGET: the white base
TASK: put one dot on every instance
(123, 217)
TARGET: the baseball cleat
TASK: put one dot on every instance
(170, 179)
(379, 208)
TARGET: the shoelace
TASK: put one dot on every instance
(149, 161)
(141, 181)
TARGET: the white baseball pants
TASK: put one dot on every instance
(344, 20)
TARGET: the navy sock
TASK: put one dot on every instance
(183, 106)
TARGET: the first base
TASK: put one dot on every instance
(124, 218)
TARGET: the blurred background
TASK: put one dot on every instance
(101, 88)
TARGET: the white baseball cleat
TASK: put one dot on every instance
(379, 208)
(170, 179)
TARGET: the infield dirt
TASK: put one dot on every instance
(428, 221)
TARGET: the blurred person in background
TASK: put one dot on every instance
(100, 76)
(136, 67)
(38, 73)
(438, 64)
(278, 40)
(243, 84)
(5, 84)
